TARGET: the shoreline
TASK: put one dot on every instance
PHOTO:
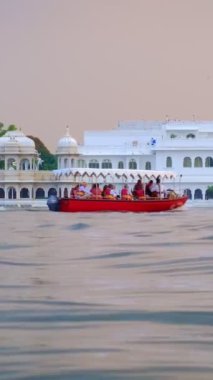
(24, 204)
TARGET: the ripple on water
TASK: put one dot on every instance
(106, 296)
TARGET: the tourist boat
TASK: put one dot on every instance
(66, 204)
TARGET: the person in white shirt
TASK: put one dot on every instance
(157, 189)
(84, 188)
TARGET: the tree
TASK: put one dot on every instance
(4, 129)
(209, 192)
(48, 160)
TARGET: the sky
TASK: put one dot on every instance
(91, 63)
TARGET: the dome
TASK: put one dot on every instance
(16, 142)
(67, 144)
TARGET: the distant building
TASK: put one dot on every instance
(185, 147)
(20, 177)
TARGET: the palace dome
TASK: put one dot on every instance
(16, 142)
(67, 145)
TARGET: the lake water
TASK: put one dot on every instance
(106, 296)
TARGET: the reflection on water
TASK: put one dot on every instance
(106, 296)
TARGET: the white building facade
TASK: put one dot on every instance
(186, 147)
(20, 177)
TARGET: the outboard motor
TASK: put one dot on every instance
(53, 203)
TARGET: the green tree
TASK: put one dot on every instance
(12, 127)
(209, 192)
(4, 129)
(49, 161)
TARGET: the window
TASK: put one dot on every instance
(190, 136)
(72, 163)
(148, 165)
(24, 193)
(25, 164)
(120, 165)
(106, 164)
(81, 164)
(209, 162)
(40, 193)
(52, 191)
(132, 164)
(11, 193)
(2, 193)
(168, 162)
(198, 162)
(173, 136)
(94, 164)
(11, 164)
(188, 193)
(187, 162)
(198, 194)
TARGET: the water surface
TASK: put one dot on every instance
(106, 296)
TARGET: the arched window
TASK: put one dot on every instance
(198, 163)
(148, 165)
(40, 193)
(187, 162)
(188, 193)
(120, 165)
(24, 193)
(198, 194)
(94, 164)
(106, 164)
(25, 164)
(209, 162)
(66, 163)
(11, 164)
(190, 136)
(169, 162)
(2, 193)
(52, 191)
(132, 164)
(11, 193)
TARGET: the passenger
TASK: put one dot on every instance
(83, 188)
(138, 191)
(74, 191)
(125, 193)
(148, 187)
(110, 192)
(104, 191)
(114, 192)
(158, 190)
(95, 191)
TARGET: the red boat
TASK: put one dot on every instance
(65, 204)
(104, 205)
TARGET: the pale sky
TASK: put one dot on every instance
(90, 63)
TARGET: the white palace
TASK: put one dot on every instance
(185, 147)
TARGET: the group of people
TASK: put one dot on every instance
(83, 191)
(140, 191)
(150, 189)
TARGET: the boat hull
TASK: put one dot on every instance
(106, 205)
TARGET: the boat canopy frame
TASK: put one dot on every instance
(116, 173)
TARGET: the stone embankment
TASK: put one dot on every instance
(16, 203)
